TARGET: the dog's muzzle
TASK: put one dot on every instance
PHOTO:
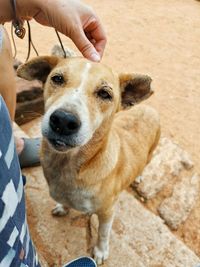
(63, 126)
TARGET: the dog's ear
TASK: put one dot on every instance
(37, 68)
(134, 88)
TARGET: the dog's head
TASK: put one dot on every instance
(81, 97)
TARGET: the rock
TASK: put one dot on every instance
(175, 209)
(24, 85)
(139, 232)
(29, 110)
(30, 102)
(168, 161)
(31, 94)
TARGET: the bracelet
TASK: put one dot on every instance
(20, 31)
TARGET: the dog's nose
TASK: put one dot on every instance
(64, 123)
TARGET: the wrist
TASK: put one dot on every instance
(27, 9)
(6, 12)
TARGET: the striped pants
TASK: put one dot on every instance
(16, 247)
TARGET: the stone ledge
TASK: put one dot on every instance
(30, 101)
(175, 209)
(166, 165)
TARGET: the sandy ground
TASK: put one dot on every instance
(160, 38)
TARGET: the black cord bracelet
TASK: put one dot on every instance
(20, 31)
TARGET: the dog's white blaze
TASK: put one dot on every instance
(84, 76)
(81, 95)
(79, 99)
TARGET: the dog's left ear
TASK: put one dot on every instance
(134, 88)
(37, 68)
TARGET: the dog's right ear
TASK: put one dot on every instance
(134, 88)
(38, 68)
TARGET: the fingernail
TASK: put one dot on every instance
(95, 57)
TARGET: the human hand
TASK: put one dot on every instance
(74, 19)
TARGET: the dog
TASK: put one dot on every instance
(95, 140)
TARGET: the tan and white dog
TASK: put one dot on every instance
(92, 148)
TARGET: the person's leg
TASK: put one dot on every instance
(7, 81)
(15, 242)
(27, 149)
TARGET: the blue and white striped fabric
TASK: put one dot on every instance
(16, 248)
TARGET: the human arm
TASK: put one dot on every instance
(70, 17)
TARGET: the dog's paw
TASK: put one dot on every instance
(60, 210)
(100, 255)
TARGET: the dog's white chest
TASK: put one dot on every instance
(82, 200)
(74, 197)
(66, 189)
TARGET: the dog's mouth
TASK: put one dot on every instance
(59, 144)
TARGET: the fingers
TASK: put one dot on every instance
(86, 47)
(96, 34)
(77, 21)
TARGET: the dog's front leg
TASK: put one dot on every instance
(101, 250)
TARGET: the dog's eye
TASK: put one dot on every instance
(104, 94)
(57, 79)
